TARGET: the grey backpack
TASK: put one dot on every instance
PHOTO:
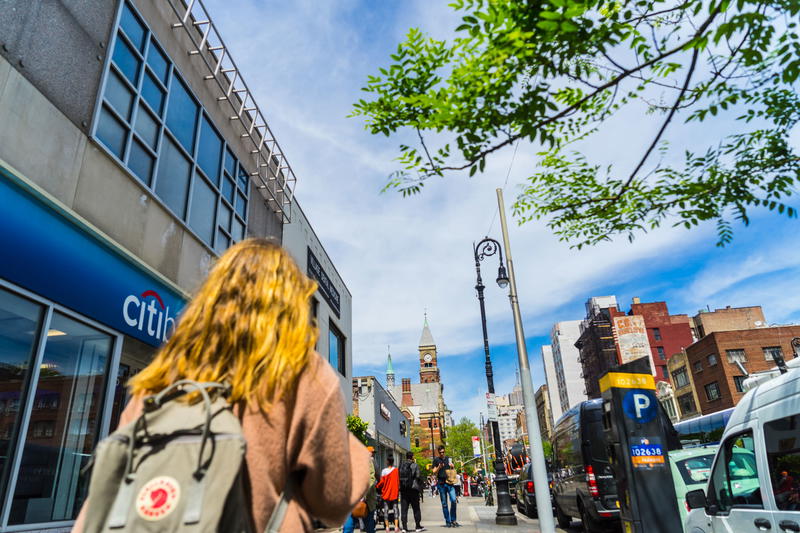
(179, 467)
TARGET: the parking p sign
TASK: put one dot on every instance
(640, 405)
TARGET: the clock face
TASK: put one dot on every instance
(428, 358)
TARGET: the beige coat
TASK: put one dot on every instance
(308, 437)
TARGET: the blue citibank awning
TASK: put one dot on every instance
(48, 252)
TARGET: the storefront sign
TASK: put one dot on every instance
(326, 287)
(385, 413)
(48, 254)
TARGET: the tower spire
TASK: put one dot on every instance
(389, 368)
(426, 339)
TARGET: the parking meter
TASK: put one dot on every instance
(638, 442)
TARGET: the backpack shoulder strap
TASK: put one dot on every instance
(279, 513)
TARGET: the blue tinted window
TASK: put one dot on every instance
(243, 178)
(172, 181)
(126, 60)
(224, 217)
(223, 241)
(201, 216)
(230, 163)
(132, 27)
(237, 230)
(141, 162)
(119, 96)
(153, 94)
(158, 62)
(209, 152)
(241, 205)
(111, 132)
(181, 114)
(228, 189)
(146, 127)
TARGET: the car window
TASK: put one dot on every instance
(695, 469)
(782, 438)
(734, 480)
(595, 435)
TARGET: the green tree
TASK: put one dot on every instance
(556, 72)
(459, 440)
(358, 427)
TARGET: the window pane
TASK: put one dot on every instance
(241, 205)
(333, 349)
(111, 132)
(243, 179)
(228, 189)
(237, 229)
(209, 153)
(201, 217)
(173, 177)
(224, 217)
(118, 95)
(141, 162)
(783, 452)
(158, 62)
(20, 321)
(132, 27)
(125, 58)
(64, 423)
(147, 127)
(153, 94)
(223, 241)
(181, 114)
(230, 163)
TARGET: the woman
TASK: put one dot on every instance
(250, 326)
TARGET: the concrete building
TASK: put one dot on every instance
(683, 387)
(389, 431)
(667, 334)
(566, 359)
(727, 319)
(546, 422)
(332, 305)
(717, 379)
(551, 379)
(130, 157)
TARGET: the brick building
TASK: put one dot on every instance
(546, 424)
(667, 334)
(727, 319)
(683, 388)
(598, 349)
(717, 379)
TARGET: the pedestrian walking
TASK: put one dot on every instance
(250, 327)
(370, 499)
(389, 485)
(446, 481)
(410, 492)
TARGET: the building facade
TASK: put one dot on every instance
(712, 360)
(423, 403)
(683, 387)
(596, 344)
(332, 305)
(546, 422)
(567, 362)
(727, 319)
(551, 379)
(130, 157)
(667, 334)
(388, 430)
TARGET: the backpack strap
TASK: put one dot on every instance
(279, 513)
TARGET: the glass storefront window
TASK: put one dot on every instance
(19, 329)
(64, 422)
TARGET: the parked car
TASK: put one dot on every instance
(753, 485)
(526, 493)
(690, 470)
(583, 480)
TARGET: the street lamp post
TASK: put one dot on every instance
(505, 514)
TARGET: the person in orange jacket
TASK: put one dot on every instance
(389, 485)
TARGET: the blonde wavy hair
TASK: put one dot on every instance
(249, 326)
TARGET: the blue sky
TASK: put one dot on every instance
(306, 61)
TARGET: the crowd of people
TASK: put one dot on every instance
(246, 343)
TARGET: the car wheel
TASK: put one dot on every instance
(586, 521)
(530, 511)
(520, 509)
(563, 520)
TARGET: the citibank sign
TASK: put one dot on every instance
(148, 314)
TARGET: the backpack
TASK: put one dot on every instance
(179, 467)
(406, 476)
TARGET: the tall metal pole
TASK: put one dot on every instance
(536, 452)
(505, 514)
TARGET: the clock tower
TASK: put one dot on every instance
(428, 366)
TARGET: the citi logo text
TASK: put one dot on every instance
(148, 311)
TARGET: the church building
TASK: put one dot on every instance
(423, 403)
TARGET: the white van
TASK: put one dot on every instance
(755, 481)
